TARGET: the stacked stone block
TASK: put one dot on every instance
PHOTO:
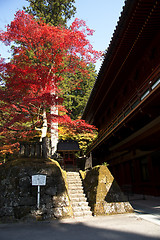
(77, 197)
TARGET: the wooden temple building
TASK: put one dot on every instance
(67, 149)
(125, 101)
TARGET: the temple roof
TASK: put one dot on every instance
(67, 145)
(139, 21)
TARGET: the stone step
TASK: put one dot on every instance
(75, 186)
(81, 208)
(73, 177)
(74, 180)
(71, 185)
(82, 214)
(79, 204)
(77, 195)
(73, 174)
(78, 183)
(79, 199)
(76, 191)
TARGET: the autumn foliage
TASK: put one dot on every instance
(41, 54)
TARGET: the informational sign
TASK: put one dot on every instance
(39, 180)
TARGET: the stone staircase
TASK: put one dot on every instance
(77, 197)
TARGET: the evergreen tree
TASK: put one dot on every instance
(75, 96)
(54, 12)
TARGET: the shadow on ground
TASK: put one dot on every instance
(90, 230)
(148, 207)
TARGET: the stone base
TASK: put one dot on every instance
(18, 198)
(103, 193)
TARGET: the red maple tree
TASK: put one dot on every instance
(29, 81)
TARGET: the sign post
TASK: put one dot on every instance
(38, 180)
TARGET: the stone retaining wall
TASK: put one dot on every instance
(18, 198)
(103, 193)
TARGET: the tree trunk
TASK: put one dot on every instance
(54, 125)
(54, 131)
(43, 139)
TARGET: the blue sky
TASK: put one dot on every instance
(100, 15)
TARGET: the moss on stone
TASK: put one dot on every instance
(82, 174)
(104, 195)
(18, 197)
